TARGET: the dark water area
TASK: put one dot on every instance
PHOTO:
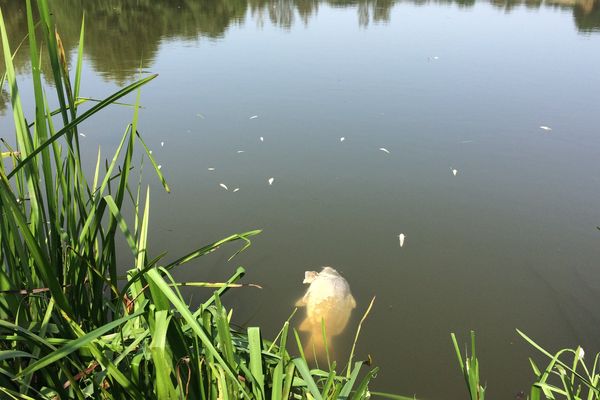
(509, 241)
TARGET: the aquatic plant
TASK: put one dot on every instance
(571, 379)
(470, 369)
(71, 324)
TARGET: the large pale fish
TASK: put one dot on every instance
(328, 299)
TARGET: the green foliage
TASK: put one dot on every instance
(470, 369)
(68, 327)
(566, 376)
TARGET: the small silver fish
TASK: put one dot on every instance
(546, 128)
(384, 150)
(253, 117)
(401, 238)
(224, 186)
(271, 181)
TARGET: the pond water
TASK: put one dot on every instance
(508, 241)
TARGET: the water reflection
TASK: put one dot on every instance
(328, 301)
(121, 35)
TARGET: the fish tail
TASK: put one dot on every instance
(316, 347)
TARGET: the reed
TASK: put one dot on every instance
(71, 327)
(470, 369)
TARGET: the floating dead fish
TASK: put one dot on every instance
(224, 186)
(328, 301)
(235, 190)
(384, 150)
(454, 172)
(150, 152)
(253, 117)
(82, 134)
(262, 139)
(240, 151)
(401, 238)
(546, 128)
(271, 181)
(162, 144)
(342, 139)
(159, 166)
(211, 169)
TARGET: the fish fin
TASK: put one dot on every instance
(352, 301)
(310, 276)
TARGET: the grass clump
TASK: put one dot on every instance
(70, 326)
(565, 377)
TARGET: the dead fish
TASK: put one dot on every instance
(546, 128)
(211, 169)
(224, 186)
(159, 166)
(342, 139)
(454, 172)
(384, 150)
(82, 134)
(401, 238)
(271, 181)
(327, 300)
(235, 190)
(262, 139)
(253, 117)
(162, 144)
(240, 151)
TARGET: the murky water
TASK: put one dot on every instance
(509, 241)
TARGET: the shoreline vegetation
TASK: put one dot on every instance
(71, 327)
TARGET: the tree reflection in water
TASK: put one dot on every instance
(121, 35)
